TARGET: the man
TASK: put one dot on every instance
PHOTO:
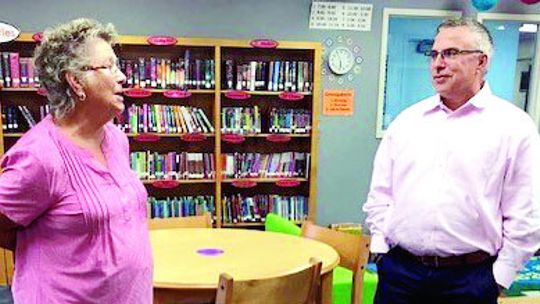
(454, 204)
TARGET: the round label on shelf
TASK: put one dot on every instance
(244, 183)
(146, 137)
(193, 137)
(292, 96)
(37, 37)
(8, 32)
(287, 183)
(165, 184)
(137, 93)
(41, 91)
(176, 94)
(278, 138)
(264, 43)
(233, 138)
(162, 40)
(238, 95)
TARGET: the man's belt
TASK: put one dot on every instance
(472, 258)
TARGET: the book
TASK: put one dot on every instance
(6, 69)
(27, 115)
(14, 69)
(1, 72)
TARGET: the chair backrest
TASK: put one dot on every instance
(353, 252)
(6, 266)
(301, 287)
(199, 221)
(276, 223)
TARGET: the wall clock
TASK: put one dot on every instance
(340, 60)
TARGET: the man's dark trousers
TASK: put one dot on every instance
(404, 280)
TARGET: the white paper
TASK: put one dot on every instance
(340, 16)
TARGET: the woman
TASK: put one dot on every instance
(67, 188)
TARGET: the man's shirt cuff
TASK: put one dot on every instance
(378, 244)
(503, 274)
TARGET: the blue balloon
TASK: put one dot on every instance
(484, 5)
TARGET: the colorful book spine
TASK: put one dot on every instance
(182, 206)
(31, 73)
(293, 76)
(153, 72)
(2, 84)
(251, 209)
(27, 115)
(166, 119)
(241, 120)
(212, 73)
(284, 164)
(14, 69)
(172, 165)
(289, 121)
(23, 64)
(6, 69)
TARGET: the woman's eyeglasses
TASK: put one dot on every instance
(113, 68)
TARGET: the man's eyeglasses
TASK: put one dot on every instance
(450, 53)
(113, 68)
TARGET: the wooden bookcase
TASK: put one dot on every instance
(212, 101)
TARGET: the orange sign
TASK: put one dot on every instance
(338, 102)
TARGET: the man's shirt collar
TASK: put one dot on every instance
(478, 101)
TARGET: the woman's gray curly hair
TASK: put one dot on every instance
(61, 50)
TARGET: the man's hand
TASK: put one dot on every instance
(500, 289)
(377, 257)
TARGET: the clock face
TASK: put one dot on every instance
(340, 60)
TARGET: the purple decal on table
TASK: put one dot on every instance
(210, 251)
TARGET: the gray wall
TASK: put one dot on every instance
(347, 144)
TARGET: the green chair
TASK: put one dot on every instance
(342, 284)
(276, 223)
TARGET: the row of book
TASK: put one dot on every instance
(169, 119)
(19, 118)
(165, 119)
(172, 165)
(257, 165)
(242, 209)
(180, 206)
(289, 121)
(164, 73)
(247, 120)
(241, 120)
(183, 73)
(295, 76)
(17, 71)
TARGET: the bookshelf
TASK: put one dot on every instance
(261, 102)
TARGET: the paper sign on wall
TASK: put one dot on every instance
(338, 102)
(340, 16)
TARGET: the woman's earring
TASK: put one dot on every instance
(82, 96)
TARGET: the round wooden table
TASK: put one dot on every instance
(188, 261)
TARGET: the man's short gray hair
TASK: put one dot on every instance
(483, 40)
(61, 50)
